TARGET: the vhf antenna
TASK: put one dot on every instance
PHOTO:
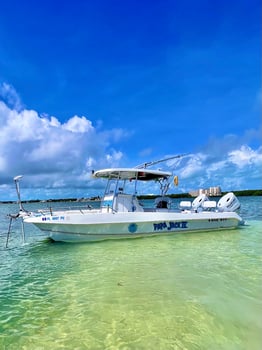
(147, 164)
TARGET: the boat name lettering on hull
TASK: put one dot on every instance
(170, 225)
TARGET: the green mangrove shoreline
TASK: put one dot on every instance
(177, 195)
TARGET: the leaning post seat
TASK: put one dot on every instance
(208, 205)
(185, 205)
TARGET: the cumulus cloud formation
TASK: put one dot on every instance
(51, 154)
(234, 169)
(78, 125)
(10, 96)
(57, 158)
(245, 156)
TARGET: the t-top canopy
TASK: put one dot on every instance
(132, 174)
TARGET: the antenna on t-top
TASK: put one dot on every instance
(147, 164)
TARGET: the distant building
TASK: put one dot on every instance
(215, 191)
(211, 191)
(194, 193)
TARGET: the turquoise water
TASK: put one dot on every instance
(187, 291)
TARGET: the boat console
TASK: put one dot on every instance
(120, 202)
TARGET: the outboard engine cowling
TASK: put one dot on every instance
(197, 202)
(228, 202)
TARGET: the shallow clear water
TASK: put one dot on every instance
(187, 291)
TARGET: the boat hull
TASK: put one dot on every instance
(96, 226)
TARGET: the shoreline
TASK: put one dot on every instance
(241, 193)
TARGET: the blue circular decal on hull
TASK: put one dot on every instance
(132, 228)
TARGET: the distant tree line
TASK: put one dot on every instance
(247, 193)
(187, 195)
(177, 195)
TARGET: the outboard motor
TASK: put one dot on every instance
(197, 202)
(228, 202)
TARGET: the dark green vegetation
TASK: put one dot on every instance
(247, 193)
(177, 195)
(187, 195)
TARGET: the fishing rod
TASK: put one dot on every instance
(147, 164)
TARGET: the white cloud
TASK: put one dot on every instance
(115, 156)
(78, 125)
(240, 168)
(245, 156)
(194, 166)
(57, 158)
(10, 96)
(52, 154)
(215, 167)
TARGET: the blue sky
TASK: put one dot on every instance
(93, 84)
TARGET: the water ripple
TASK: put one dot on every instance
(188, 291)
